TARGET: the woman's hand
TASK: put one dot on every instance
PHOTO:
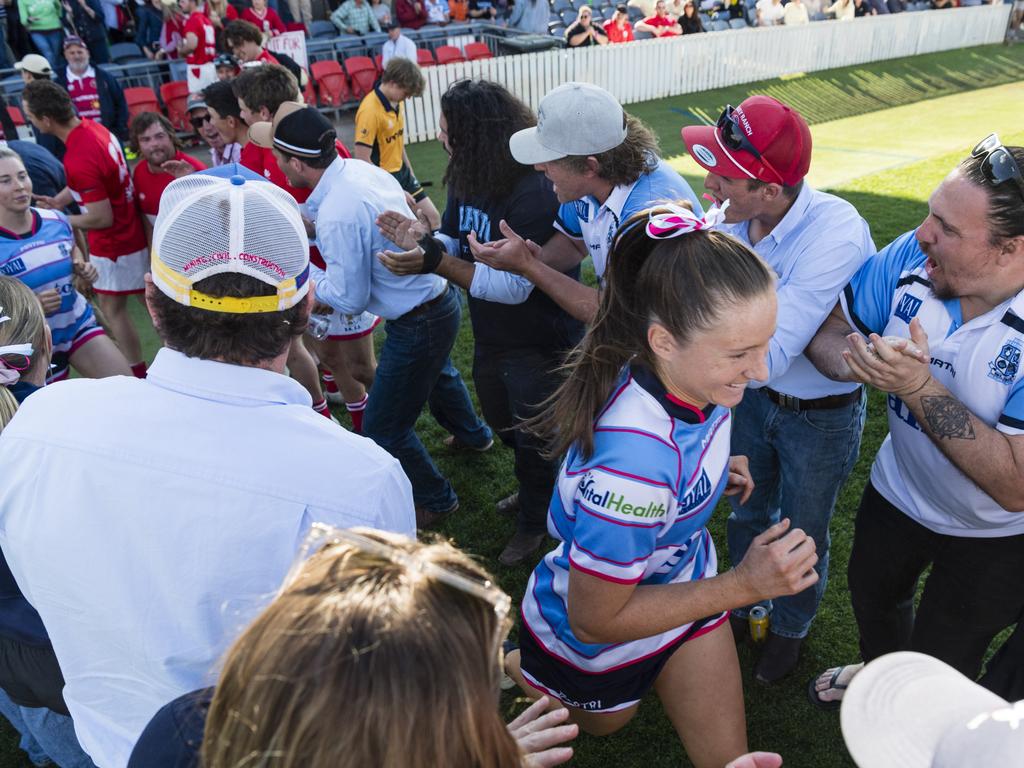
(538, 734)
(740, 480)
(777, 563)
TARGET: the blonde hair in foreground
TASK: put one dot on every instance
(365, 660)
(26, 326)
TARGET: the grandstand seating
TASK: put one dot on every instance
(737, 24)
(475, 51)
(140, 99)
(362, 74)
(174, 95)
(331, 82)
(126, 53)
(448, 54)
(322, 29)
(425, 58)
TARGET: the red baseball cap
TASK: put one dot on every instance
(760, 139)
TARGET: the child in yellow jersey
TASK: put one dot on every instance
(380, 128)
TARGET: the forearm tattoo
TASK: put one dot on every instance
(947, 417)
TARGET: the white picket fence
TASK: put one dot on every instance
(655, 69)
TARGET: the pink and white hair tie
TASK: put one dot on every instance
(8, 373)
(673, 220)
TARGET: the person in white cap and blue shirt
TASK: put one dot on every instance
(148, 521)
(605, 167)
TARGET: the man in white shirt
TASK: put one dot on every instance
(769, 12)
(936, 320)
(397, 45)
(799, 430)
(148, 521)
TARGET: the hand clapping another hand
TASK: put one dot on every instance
(510, 254)
(403, 231)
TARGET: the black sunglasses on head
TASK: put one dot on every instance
(733, 137)
(998, 164)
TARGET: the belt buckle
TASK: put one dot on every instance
(790, 402)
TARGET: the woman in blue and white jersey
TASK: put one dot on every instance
(631, 599)
(38, 247)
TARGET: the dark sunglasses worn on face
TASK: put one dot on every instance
(197, 122)
(733, 137)
(998, 165)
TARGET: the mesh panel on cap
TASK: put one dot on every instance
(199, 214)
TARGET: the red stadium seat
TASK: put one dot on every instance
(424, 57)
(16, 116)
(330, 79)
(175, 97)
(378, 60)
(362, 74)
(308, 91)
(476, 51)
(295, 26)
(141, 99)
(448, 54)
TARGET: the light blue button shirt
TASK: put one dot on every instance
(815, 250)
(345, 205)
(149, 521)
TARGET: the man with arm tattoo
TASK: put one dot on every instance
(936, 320)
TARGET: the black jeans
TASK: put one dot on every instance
(510, 384)
(972, 593)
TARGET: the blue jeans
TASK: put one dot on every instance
(798, 461)
(45, 735)
(415, 370)
(49, 44)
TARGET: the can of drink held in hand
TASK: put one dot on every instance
(758, 623)
(317, 326)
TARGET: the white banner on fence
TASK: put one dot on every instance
(655, 69)
(291, 44)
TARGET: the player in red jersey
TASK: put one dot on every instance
(163, 161)
(198, 45)
(99, 181)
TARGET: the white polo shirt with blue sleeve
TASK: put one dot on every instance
(815, 250)
(593, 223)
(979, 362)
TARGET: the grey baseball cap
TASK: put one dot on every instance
(573, 119)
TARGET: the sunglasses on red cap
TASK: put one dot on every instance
(998, 165)
(732, 136)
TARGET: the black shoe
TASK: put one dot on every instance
(778, 659)
(426, 518)
(740, 628)
(509, 506)
(452, 443)
(520, 547)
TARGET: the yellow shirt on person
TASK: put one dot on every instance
(381, 126)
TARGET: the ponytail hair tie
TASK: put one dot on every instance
(670, 220)
(10, 374)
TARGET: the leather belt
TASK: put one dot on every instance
(421, 308)
(792, 403)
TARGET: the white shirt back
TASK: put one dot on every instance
(149, 521)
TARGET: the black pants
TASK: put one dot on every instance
(974, 591)
(510, 384)
(31, 676)
(1004, 674)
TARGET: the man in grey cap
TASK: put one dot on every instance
(221, 151)
(605, 167)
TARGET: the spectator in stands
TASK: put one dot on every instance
(265, 18)
(96, 94)
(437, 12)
(937, 4)
(198, 45)
(301, 12)
(382, 11)
(934, 320)
(191, 565)
(862, 8)
(690, 20)
(380, 130)
(814, 9)
(226, 66)
(369, 624)
(173, 30)
(246, 41)
(881, 7)
(1016, 16)
(162, 160)
(220, 13)
(675, 8)
(422, 311)
(99, 180)
(6, 54)
(618, 28)
(221, 152)
(42, 21)
(795, 13)
(660, 24)
(842, 10)
(34, 67)
(770, 12)
(397, 46)
(112, 10)
(354, 17)
(517, 348)
(410, 14)
(529, 16)
(602, 177)
(86, 18)
(485, 10)
(645, 6)
(585, 32)
(149, 19)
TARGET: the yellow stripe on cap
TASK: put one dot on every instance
(234, 305)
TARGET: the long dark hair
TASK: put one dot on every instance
(684, 283)
(481, 118)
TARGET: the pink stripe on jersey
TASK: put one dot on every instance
(623, 523)
(603, 576)
(639, 432)
(621, 564)
(707, 445)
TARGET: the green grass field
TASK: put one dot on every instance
(885, 134)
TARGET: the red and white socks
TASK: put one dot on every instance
(355, 411)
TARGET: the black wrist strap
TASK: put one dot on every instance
(433, 250)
